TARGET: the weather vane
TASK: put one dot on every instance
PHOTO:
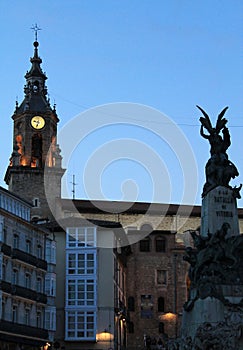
(35, 28)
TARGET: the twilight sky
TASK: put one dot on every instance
(151, 62)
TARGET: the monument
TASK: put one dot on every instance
(213, 313)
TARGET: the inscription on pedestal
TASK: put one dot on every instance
(218, 207)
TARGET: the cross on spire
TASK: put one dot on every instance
(35, 28)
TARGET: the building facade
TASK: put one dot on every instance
(91, 285)
(27, 278)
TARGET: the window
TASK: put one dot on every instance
(160, 244)
(144, 245)
(1, 229)
(161, 277)
(131, 304)
(147, 306)
(80, 325)
(36, 202)
(15, 241)
(38, 319)
(81, 237)
(50, 251)
(50, 318)
(27, 316)
(50, 284)
(28, 246)
(3, 309)
(3, 277)
(161, 304)
(27, 280)
(81, 263)
(81, 292)
(39, 285)
(39, 251)
(14, 313)
(15, 276)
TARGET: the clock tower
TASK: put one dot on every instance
(35, 166)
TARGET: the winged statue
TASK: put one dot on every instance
(219, 169)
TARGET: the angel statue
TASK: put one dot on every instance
(219, 170)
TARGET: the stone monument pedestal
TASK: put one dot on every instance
(213, 314)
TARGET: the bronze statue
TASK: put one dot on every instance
(219, 169)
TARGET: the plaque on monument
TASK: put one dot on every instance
(219, 207)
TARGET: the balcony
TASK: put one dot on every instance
(23, 292)
(23, 256)
(17, 329)
(29, 259)
(6, 249)
(6, 287)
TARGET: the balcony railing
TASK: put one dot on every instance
(22, 329)
(29, 259)
(23, 292)
(6, 249)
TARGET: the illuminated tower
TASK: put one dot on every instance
(35, 149)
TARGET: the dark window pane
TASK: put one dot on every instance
(145, 245)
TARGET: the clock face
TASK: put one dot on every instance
(38, 122)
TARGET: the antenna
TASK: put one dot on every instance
(35, 28)
(74, 184)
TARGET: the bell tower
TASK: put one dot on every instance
(36, 157)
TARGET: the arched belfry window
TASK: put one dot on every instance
(36, 151)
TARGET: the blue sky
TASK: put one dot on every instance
(169, 55)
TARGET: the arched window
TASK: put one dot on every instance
(160, 244)
(144, 245)
(161, 304)
(131, 304)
